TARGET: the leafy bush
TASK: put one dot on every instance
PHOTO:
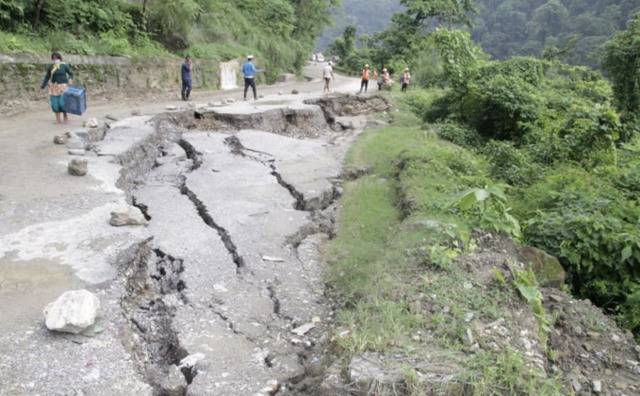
(458, 134)
(488, 208)
(510, 164)
(594, 231)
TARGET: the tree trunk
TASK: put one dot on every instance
(36, 18)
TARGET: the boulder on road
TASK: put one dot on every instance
(73, 312)
(78, 167)
(127, 216)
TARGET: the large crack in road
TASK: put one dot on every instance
(212, 294)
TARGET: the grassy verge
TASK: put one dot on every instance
(397, 267)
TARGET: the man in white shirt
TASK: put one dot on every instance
(327, 73)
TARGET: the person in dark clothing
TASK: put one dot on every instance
(249, 71)
(187, 67)
(58, 77)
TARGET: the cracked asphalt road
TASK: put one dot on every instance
(214, 273)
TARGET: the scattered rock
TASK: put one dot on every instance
(171, 107)
(91, 123)
(130, 216)
(60, 139)
(111, 117)
(615, 338)
(575, 384)
(78, 167)
(261, 96)
(229, 101)
(73, 312)
(273, 259)
(172, 383)
(369, 374)
(304, 329)
(135, 112)
(280, 93)
(191, 361)
(597, 386)
(547, 268)
(469, 340)
(332, 384)
(295, 92)
(272, 387)
(77, 152)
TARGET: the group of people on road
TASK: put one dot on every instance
(59, 75)
(383, 80)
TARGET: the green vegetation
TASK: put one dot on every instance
(281, 33)
(552, 132)
(574, 31)
(397, 262)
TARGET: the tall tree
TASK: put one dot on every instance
(622, 61)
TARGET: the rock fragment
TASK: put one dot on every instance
(128, 216)
(295, 92)
(135, 112)
(273, 259)
(91, 123)
(272, 387)
(191, 361)
(78, 167)
(60, 139)
(73, 312)
(77, 152)
(304, 329)
(597, 386)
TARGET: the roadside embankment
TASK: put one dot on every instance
(436, 295)
(110, 77)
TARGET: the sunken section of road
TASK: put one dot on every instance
(221, 292)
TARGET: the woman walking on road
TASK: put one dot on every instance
(327, 73)
(364, 84)
(58, 77)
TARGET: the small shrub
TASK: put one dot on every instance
(510, 164)
(458, 134)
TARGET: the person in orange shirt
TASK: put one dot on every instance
(366, 73)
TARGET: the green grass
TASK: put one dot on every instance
(105, 44)
(396, 277)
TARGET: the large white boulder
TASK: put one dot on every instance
(73, 312)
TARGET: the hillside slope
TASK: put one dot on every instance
(506, 28)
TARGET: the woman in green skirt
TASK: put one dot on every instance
(58, 77)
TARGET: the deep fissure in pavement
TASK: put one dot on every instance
(151, 274)
(194, 155)
(203, 212)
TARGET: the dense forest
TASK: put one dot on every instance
(574, 30)
(281, 33)
(571, 30)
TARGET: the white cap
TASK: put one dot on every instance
(249, 56)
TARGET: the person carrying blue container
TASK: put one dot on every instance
(58, 77)
(249, 70)
(187, 66)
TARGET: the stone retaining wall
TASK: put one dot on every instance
(21, 76)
